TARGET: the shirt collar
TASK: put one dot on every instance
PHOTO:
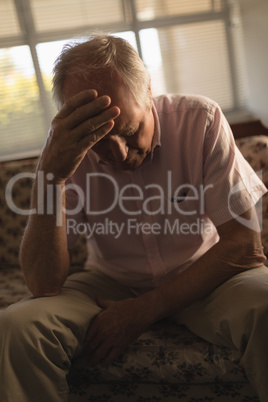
(157, 130)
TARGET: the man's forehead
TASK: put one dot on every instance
(104, 82)
(73, 86)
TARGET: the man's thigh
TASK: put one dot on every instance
(72, 310)
(226, 316)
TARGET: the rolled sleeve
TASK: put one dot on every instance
(233, 185)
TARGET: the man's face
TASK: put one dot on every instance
(130, 140)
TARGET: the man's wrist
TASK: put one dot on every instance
(152, 306)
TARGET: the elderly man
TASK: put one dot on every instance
(167, 203)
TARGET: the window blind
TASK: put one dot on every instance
(195, 60)
(188, 46)
(22, 127)
(51, 15)
(8, 19)
(146, 9)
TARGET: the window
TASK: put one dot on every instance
(188, 46)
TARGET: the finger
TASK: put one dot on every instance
(95, 347)
(91, 132)
(103, 303)
(92, 138)
(112, 355)
(87, 111)
(99, 354)
(76, 101)
(91, 125)
(92, 332)
(90, 346)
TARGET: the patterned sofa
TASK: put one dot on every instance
(167, 363)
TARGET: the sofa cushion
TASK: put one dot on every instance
(12, 224)
(166, 363)
(141, 392)
(166, 353)
(12, 286)
(255, 151)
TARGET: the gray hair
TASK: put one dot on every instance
(101, 53)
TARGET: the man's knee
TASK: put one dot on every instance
(55, 322)
(249, 320)
(20, 319)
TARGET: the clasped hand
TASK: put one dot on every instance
(119, 324)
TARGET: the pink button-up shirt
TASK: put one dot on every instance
(146, 226)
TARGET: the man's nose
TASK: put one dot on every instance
(119, 148)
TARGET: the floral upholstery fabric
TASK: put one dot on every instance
(255, 151)
(167, 362)
(12, 224)
(139, 392)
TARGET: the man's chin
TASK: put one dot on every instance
(130, 165)
(127, 165)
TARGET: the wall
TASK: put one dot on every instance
(255, 31)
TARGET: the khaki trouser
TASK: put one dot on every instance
(40, 337)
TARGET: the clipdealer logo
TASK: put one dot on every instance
(49, 201)
(49, 197)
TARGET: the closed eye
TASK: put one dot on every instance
(129, 132)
